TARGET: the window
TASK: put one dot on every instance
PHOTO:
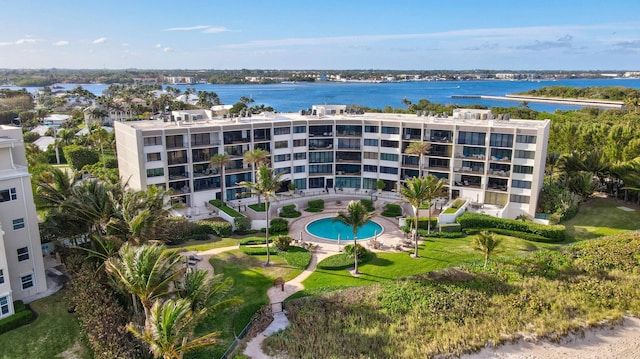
(26, 281)
(298, 169)
(174, 141)
(155, 172)
(299, 129)
(281, 158)
(388, 157)
(320, 157)
(522, 169)
(299, 143)
(18, 223)
(391, 170)
(519, 199)
(371, 129)
(282, 144)
(471, 138)
(389, 144)
(521, 184)
(525, 139)
(313, 169)
(370, 155)
(300, 156)
(525, 154)
(152, 141)
(153, 157)
(501, 140)
(283, 170)
(1, 276)
(198, 139)
(390, 130)
(282, 130)
(8, 195)
(370, 142)
(23, 254)
(4, 305)
(370, 168)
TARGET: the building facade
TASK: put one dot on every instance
(21, 264)
(485, 158)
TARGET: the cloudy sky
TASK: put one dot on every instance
(321, 34)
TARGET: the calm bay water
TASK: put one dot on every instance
(296, 96)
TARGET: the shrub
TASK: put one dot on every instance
(313, 210)
(475, 220)
(457, 203)
(368, 204)
(505, 232)
(283, 242)
(259, 207)
(289, 211)
(258, 251)
(279, 225)
(218, 228)
(243, 225)
(317, 204)
(392, 210)
(450, 227)
(424, 234)
(21, 317)
(348, 250)
(253, 241)
(79, 156)
(423, 222)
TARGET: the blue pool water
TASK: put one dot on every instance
(326, 228)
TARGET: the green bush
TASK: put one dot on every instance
(283, 242)
(424, 234)
(243, 225)
(423, 222)
(392, 210)
(19, 306)
(368, 204)
(450, 227)
(348, 250)
(475, 220)
(218, 228)
(457, 203)
(79, 156)
(313, 210)
(316, 203)
(343, 261)
(259, 207)
(289, 211)
(278, 225)
(22, 315)
(254, 241)
(258, 251)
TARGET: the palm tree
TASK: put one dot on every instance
(219, 161)
(486, 242)
(171, 329)
(420, 149)
(414, 191)
(257, 156)
(146, 272)
(356, 216)
(435, 188)
(267, 183)
(205, 290)
(553, 160)
(53, 188)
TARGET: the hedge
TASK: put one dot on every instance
(218, 228)
(278, 226)
(556, 233)
(79, 156)
(392, 210)
(316, 203)
(424, 234)
(254, 241)
(259, 251)
(505, 232)
(368, 204)
(21, 317)
(450, 227)
(289, 211)
(423, 222)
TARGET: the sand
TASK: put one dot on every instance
(622, 341)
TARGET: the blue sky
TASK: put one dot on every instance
(326, 34)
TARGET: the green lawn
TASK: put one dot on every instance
(54, 332)
(200, 246)
(435, 253)
(601, 217)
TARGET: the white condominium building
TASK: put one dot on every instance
(21, 265)
(485, 158)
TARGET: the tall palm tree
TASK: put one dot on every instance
(486, 242)
(257, 156)
(220, 161)
(267, 183)
(435, 188)
(553, 160)
(420, 149)
(414, 191)
(146, 272)
(53, 188)
(205, 290)
(170, 333)
(355, 217)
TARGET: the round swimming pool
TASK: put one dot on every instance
(326, 228)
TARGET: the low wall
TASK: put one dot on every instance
(451, 217)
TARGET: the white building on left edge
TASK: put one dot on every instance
(22, 272)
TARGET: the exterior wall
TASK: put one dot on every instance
(338, 149)
(18, 219)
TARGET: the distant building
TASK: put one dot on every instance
(21, 264)
(179, 80)
(486, 158)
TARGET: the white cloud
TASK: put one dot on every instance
(158, 46)
(215, 30)
(101, 40)
(60, 43)
(25, 41)
(189, 28)
(167, 49)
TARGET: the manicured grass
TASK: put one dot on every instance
(200, 246)
(601, 217)
(435, 253)
(251, 281)
(53, 332)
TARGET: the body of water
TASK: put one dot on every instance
(292, 97)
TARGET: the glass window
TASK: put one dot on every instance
(501, 140)
(18, 223)
(281, 158)
(155, 172)
(521, 184)
(298, 169)
(523, 169)
(282, 130)
(313, 169)
(525, 154)
(152, 141)
(371, 142)
(153, 157)
(370, 155)
(23, 254)
(371, 129)
(300, 156)
(26, 281)
(389, 144)
(519, 199)
(4, 305)
(8, 195)
(471, 138)
(370, 168)
(1, 276)
(526, 139)
(390, 130)
(198, 139)
(388, 157)
(282, 144)
(299, 129)
(300, 143)
(392, 170)
(320, 157)
(174, 141)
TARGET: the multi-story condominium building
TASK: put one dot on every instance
(484, 158)
(21, 265)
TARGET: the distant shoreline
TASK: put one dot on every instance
(556, 100)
